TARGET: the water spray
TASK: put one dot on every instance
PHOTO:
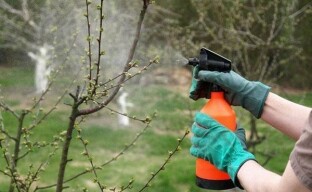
(207, 175)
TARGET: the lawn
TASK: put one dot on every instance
(107, 139)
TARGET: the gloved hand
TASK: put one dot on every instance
(223, 148)
(250, 95)
(199, 89)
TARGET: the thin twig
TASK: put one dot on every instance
(7, 108)
(162, 167)
(90, 159)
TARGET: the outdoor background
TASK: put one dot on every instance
(267, 41)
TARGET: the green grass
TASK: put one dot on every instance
(304, 98)
(16, 76)
(106, 139)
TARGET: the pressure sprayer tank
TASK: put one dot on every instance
(207, 175)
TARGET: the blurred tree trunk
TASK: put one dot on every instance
(38, 28)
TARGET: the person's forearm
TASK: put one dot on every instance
(284, 115)
(255, 178)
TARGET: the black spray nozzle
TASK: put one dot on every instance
(193, 61)
(209, 60)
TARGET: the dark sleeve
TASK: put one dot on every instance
(301, 156)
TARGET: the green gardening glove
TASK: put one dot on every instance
(199, 89)
(250, 95)
(223, 148)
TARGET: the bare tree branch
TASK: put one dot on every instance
(126, 65)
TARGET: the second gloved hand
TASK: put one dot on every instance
(220, 146)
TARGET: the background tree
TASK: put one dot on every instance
(294, 72)
(41, 30)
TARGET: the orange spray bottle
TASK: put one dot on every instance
(207, 175)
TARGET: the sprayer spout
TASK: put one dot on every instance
(193, 61)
